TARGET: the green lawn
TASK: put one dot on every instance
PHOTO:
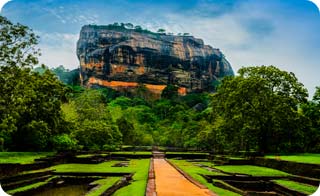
(194, 172)
(304, 188)
(22, 157)
(301, 158)
(140, 179)
(90, 155)
(31, 186)
(133, 152)
(204, 153)
(139, 167)
(252, 170)
(103, 184)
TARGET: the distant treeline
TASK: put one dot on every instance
(137, 28)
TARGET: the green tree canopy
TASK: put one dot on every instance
(29, 103)
(260, 108)
(17, 45)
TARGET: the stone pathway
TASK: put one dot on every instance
(170, 182)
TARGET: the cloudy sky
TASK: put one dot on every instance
(285, 33)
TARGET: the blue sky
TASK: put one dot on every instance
(284, 33)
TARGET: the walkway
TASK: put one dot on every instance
(169, 182)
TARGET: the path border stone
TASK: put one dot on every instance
(151, 185)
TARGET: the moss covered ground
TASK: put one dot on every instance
(300, 158)
(22, 157)
(139, 167)
(304, 188)
(251, 170)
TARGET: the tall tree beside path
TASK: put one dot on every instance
(260, 109)
(30, 110)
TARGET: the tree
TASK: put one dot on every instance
(311, 110)
(90, 106)
(260, 109)
(170, 92)
(29, 103)
(138, 28)
(17, 45)
(161, 31)
(127, 130)
(129, 25)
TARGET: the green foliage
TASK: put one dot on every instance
(29, 102)
(17, 45)
(95, 134)
(64, 142)
(22, 157)
(311, 111)
(161, 31)
(170, 92)
(139, 167)
(127, 130)
(259, 108)
(90, 106)
(35, 135)
(66, 76)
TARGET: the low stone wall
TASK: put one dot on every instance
(187, 156)
(9, 169)
(303, 169)
(131, 156)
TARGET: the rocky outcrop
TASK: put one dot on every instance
(118, 58)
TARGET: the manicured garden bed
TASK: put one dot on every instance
(300, 158)
(22, 157)
(304, 188)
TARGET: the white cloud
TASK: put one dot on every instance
(2, 3)
(58, 49)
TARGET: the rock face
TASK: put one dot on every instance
(119, 58)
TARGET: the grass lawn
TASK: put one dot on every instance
(139, 167)
(28, 187)
(252, 170)
(103, 184)
(133, 152)
(301, 158)
(204, 153)
(194, 172)
(90, 155)
(304, 188)
(22, 157)
(140, 179)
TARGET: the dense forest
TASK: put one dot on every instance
(262, 109)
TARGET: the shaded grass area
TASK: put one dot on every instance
(195, 171)
(252, 170)
(300, 158)
(202, 153)
(133, 152)
(29, 187)
(304, 188)
(139, 167)
(90, 155)
(103, 184)
(22, 157)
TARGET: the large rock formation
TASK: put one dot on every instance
(118, 58)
